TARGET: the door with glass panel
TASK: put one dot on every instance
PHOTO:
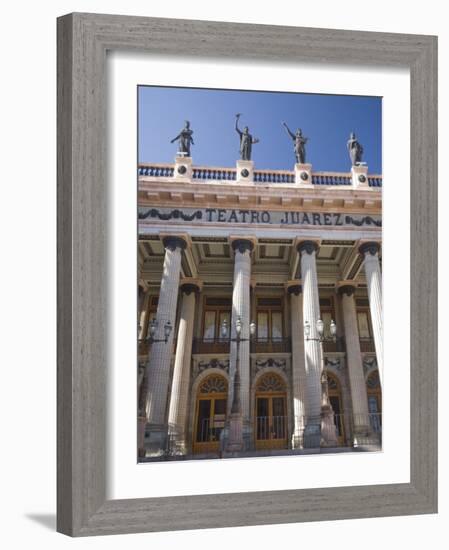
(365, 329)
(374, 401)
(335, 399)
(271, 413)
(216, 312)
(270, 330)
(210, 414)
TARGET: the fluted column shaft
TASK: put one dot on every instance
(370, 253)
(313, 352)
(177, 414)
(354, 362)
(299, 379)
(158, 367)
(241, 308)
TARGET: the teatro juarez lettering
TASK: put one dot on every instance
(260, 217)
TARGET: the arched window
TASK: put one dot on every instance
(271, 412)
(210, 415)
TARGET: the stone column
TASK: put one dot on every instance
(370, 253)
(158, 367)
(313, 355)
(299, 379)
(241, 308)
(177, 414)
(361, 426)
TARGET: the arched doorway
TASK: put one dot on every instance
(336, 401)
(374, 393)
(271, 412)
(210, 416)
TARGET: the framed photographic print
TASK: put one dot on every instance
(235, 203)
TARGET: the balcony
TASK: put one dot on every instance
(338, 346)
(259, 345)
(210, 345)
(271, 345)
(367, 345)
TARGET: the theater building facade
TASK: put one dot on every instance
(260, 310)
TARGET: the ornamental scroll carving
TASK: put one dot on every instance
(369, 364)
(271, 362)
(334, 362)
(222, 364)
(173, 215)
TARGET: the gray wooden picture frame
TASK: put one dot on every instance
(83, 41)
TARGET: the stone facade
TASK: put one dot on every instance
(218, 249)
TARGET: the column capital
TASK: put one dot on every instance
(369, 247)
(294, 287)
(242, 244)
(190, 285)
(346, 287)
(308, 246)
(171, 242)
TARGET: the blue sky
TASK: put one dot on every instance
(326, 120)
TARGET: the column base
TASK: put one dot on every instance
(155, 441)
(235, 441)
(298, 441)
(363, 436)
(176, 443)
(312, 436)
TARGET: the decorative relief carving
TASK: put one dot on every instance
(270, 382)
(334, 362)
(369, 363)
(173, 215)
(266, 363)
(366, 220)
(222, 364)
(214, 384)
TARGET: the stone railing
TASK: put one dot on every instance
(204, 173)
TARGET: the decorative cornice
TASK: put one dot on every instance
(174, 242)
(307, 246)
(371, 248)
(347, 289)
(242, 245)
